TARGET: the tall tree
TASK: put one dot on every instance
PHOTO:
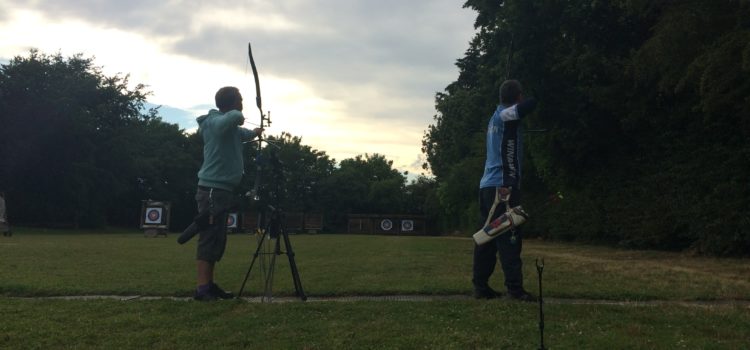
(643, 100)
(76, 147)
(362, 185)
(292, 173)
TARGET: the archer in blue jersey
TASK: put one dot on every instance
(502, 168)
(502, 177)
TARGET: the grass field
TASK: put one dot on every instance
(36, 263)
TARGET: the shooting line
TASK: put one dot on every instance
(412, 298)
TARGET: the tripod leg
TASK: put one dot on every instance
(271, 268)
(293, 267)
(255, 257)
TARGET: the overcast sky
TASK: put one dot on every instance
(349, 77)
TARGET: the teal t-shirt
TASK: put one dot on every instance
(222, 149)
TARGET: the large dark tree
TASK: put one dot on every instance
(362, 185)
(648, 114)
(76, 148)
(291, 173)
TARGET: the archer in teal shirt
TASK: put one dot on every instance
(223, 136)
(222, 148)
(220, 174)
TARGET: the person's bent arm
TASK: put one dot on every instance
(526, 107)
(230, 119)
(249, 135)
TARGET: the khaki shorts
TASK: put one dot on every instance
(213, 240)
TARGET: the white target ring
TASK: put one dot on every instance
(386, 224)
(153, 216)
(407, 225)
(232, 220)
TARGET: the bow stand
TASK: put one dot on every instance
(270, 228)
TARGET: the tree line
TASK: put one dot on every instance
(646, 106)
(647, 110)
(78, 149)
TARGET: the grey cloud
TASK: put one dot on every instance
(402, 49)
(4, 11)
(403, 52)
(137, 15)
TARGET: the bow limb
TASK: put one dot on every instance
(507, 63)
(258, 100)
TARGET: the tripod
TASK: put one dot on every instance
(274, 230)
(271, 227)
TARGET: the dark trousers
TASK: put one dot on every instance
(507, 245)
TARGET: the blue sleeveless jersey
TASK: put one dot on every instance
(505, 146)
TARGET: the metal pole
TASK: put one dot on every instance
(539, 270)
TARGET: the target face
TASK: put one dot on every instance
(153, 216)
(407, 225)
(386, 224)
(232, 220)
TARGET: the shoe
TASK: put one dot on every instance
(216, 291)
(522, 295)
(205, 296)
(486, 293)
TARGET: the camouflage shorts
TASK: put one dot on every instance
(213, 240)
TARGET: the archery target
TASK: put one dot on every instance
(386, 224)
(407, 225)
(232, 220)
(153, 215)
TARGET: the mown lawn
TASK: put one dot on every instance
(39, 264)
(164, 324)
(35, 263)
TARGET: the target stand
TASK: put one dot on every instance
(155, 217)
